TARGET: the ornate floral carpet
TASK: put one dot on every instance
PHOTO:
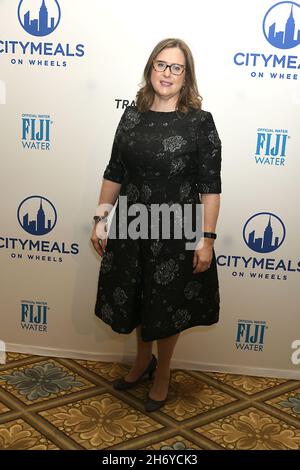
(54, 403)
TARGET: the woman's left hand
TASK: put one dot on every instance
(202, 258)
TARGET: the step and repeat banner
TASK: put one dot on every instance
(68, 69)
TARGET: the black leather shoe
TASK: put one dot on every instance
(154, 405)
(122, 384)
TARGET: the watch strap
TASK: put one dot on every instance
(209, 235)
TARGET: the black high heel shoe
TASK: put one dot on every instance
(154, 405)
(122, 384)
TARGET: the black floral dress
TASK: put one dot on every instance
(159, 157)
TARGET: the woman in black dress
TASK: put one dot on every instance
(166, 150)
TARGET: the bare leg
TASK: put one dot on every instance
(143, 357)
(160, 385)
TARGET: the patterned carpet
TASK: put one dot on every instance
(54, 403)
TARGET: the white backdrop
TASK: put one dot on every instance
(72, 84)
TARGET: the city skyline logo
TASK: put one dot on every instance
(39, 17)
(281, 25)
(264, 232)
(37, 215)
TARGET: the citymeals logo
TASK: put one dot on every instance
(281, 28)
(271, 147)
(280, 31)
(38, 217)
(36, 131)
(263, 233)
(39, 18)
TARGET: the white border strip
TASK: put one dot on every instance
(185, 365)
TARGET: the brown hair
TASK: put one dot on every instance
(189, 95)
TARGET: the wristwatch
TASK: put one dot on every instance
(209, 235)
(100, 218)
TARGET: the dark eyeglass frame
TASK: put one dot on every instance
(168, 66)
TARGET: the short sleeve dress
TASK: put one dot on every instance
(159, 158)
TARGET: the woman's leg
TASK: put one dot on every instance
(160, 385)
(143, 357)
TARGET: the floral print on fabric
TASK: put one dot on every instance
(160, 158)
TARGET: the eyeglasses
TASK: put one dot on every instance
(175, 69)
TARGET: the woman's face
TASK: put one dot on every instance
(167, 85)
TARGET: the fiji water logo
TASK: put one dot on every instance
(281, 25)
(250, 335)
(36, 131)
(264, 232)
(39, 17)
(37, 215)
(271, 147)
(34, 316)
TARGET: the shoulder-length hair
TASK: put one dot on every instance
(189, 95)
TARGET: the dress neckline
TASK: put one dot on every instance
(162, 112)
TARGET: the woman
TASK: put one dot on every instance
(166, 150)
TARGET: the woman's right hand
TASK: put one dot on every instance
(99, 237)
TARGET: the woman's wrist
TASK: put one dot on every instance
(101, 218)
(208, 241)
(208, 237)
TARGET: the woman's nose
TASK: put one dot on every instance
(167, 72)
